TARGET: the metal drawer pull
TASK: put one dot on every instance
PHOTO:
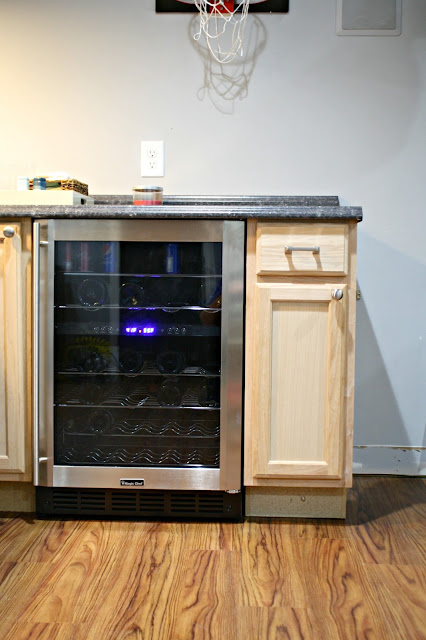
(337, 294)
(290, 249)
(8, 232)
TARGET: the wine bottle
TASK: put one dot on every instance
(100, 421)
(169, 394)
(131, 295)
(170, 361)
(94, 362)
(209, 394)
(92, 292)
(89, 393)
(130, 361)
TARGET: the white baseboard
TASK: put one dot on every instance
(392, 460)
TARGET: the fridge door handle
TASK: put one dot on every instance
(37, 243)
(36, 346)
(231, 393)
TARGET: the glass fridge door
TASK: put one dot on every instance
(138, 340)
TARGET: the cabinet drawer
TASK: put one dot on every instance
(305, 249)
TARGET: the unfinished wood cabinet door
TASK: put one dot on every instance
(12, 351)
(299, 364)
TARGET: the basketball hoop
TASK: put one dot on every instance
(223, 27)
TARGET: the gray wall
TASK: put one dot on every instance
(308, 112)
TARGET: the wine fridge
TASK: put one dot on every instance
(138, 348)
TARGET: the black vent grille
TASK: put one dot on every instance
(138, 504)
(123, 501)
(74, 500)
(151, 502)
(66, 500)
(92, 501)
(207, 503)
(183, 503)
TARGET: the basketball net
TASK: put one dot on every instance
(223, 27)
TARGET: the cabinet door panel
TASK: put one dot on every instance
(12, 356)
(300, 357)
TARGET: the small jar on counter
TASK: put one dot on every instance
(148, 195)
(39, 184)
(22, 183)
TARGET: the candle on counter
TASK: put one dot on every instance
(147, 195)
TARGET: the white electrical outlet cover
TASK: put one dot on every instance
(152, 158)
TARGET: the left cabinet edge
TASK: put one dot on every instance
(25, 476)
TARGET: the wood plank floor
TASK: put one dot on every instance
(363, 578)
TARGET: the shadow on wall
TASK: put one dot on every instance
(390, 380)
(225, 83)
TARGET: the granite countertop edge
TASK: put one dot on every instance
(193, 207)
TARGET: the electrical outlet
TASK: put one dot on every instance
(152, 159)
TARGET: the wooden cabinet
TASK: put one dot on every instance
(15, 346)
(299, 354)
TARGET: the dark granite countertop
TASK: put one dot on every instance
(219, 207)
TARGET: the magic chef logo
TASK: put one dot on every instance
(132, 483)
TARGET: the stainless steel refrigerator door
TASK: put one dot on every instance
(231, 233)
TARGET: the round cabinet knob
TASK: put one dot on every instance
(337, 294)
(8, 232)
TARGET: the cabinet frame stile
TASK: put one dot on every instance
(15, 352)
